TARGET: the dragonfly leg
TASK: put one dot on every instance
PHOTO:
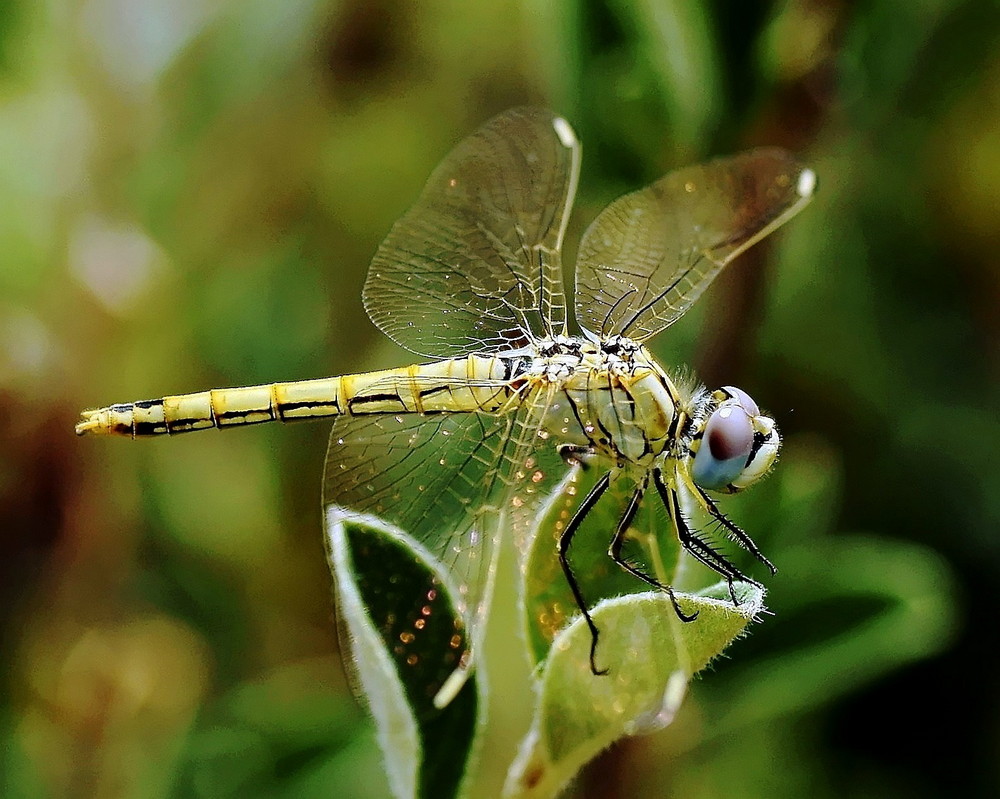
(700, 549)
(615, 551)
(733, 530)
(564, 543)
(707, 555)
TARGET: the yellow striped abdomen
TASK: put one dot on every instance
(458, 385)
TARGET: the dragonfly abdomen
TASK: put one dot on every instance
(456, 385)
(220, 407)
(467, 384)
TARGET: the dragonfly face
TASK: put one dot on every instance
(455, 453)
(733, 443)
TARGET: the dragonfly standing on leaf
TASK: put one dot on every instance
(472, 275)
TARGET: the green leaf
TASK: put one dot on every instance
(404, 635)
(650, 656)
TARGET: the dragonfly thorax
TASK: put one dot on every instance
(610, 398)
(557, 358)
(561, 345)
(619, 346)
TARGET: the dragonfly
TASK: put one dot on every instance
(471, 277)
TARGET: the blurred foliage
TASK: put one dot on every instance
(191, 192)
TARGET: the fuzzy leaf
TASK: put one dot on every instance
(650, 656)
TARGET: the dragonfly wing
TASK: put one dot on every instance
(650, 254)
(450, 482)
(475, 265)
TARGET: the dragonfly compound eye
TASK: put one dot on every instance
(739, 445)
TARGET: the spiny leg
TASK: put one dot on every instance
(615, 551)
(564, 543)
(735, 532)
(707, 555)
(699, 549)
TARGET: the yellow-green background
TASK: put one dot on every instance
(190, 192)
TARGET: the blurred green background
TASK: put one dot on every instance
(190, 193)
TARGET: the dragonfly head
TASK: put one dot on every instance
(738, 444)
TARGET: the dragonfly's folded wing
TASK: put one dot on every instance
(650, 254)
(475, 266)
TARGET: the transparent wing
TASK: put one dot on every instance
(451, 482)
(650, 254)
(475, 265)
